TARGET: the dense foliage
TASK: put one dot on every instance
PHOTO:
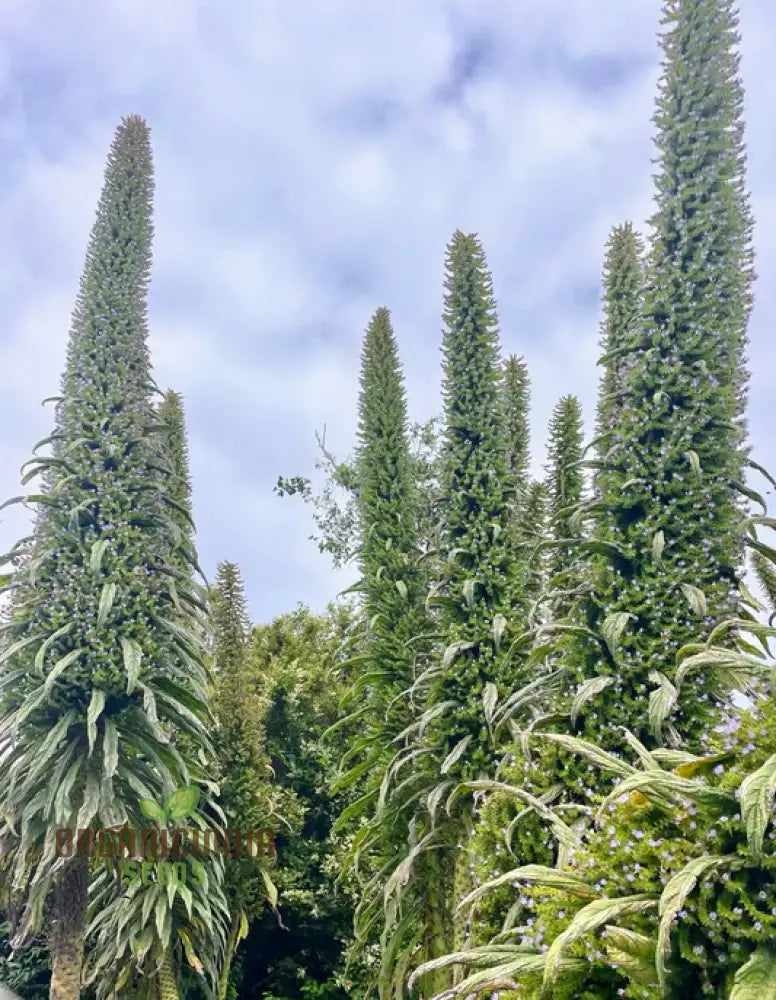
(534, 757)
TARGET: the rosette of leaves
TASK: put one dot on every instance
(672, 892)
(140, 935)
(103, 656)
(681, 814)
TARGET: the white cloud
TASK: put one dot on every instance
(310, 168)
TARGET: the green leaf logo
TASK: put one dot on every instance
(182, 802)
(151, 810)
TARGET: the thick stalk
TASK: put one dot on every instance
(231, 945)
(166, 980)
(66, 939)
(437, 922)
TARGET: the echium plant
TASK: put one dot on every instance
(477, 579)
(479, 574)
(675, 448)
(243, 763)
(671, 891)
(103, 654)
(169, 926)
(565, 485)
(393, 589)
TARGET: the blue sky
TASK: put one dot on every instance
(312, 160)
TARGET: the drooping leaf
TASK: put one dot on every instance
(662, 701)
(590, 918)
(587, 689)
(96, 554)
(133, 657)
(454, 650)
(677, 889)
(272, 890)
(756, 979)
(455, 754)
(96, 705)
(107, 598)
(756, 797)
(534, 875)
(612, 629)
(489, 700)
(696, 599)
(58, 669)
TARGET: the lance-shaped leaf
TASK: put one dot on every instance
(756, 797)
(96, 554)
(696, 599)
(96, 705)
(534, 875)
(659, 786)
(489, 700)
(133, 658)
(591, 752)
(756, 979)
(455, 754)
(107, 598)
(455, 649)
(662, 701)
(585, 692)
(673, 898)
(58, 669)
(612, 630)
(590, 918)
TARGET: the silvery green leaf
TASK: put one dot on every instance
(107, 597)
(455, 754)
(695, 598)
(133, 656)
(499, 624)
(96, 705)
(587, 689)
(96, 554)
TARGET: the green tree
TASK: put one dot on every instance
(335, 505)
(239, 711)
(623, 284)
(532, 533)
(297, 670)
(95, 666)
(565, 484)
(478, 576)
(393, 588)
(517, 400)
(175, 452)
(671, 505)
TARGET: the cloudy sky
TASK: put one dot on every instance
(312, 160)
